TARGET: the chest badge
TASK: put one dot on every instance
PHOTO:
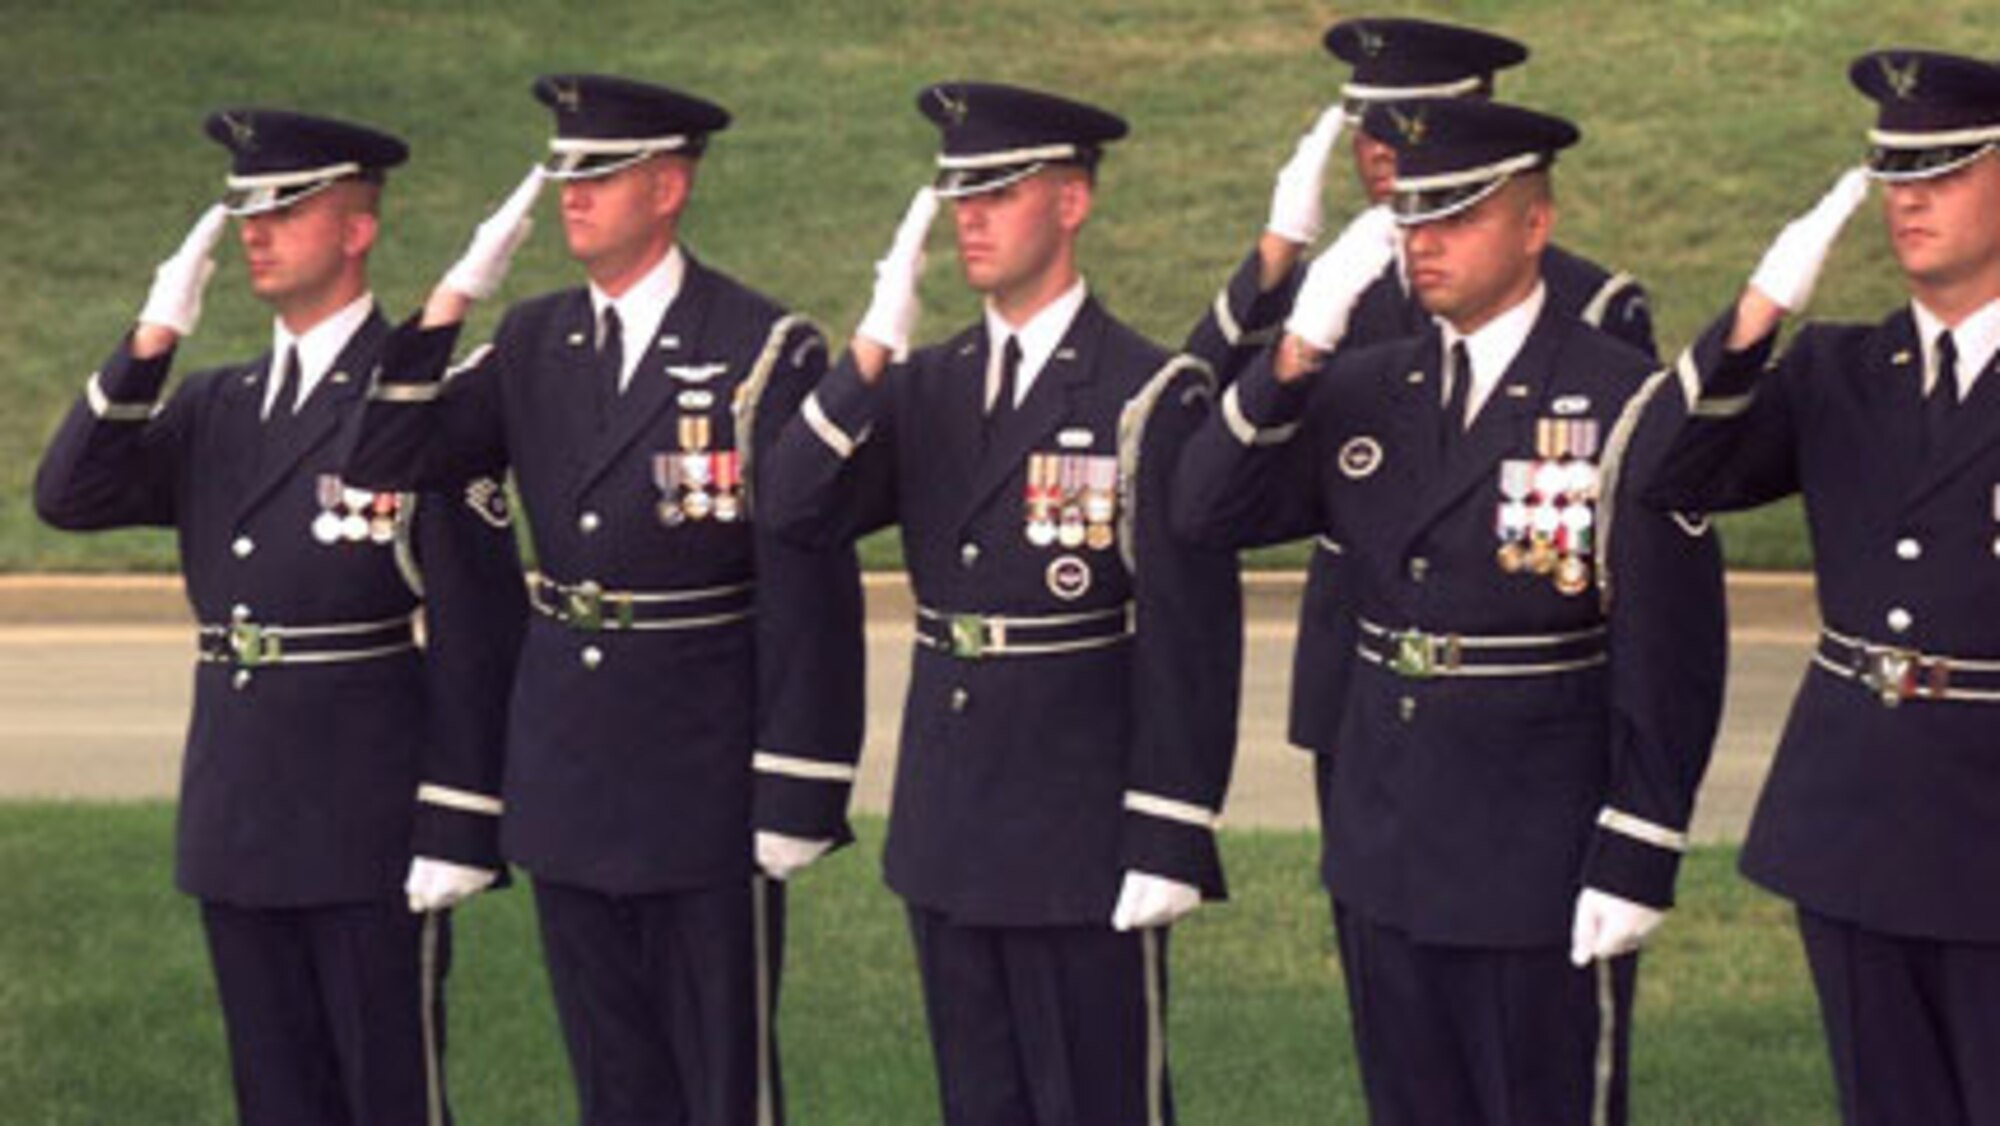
(1360, 457)
(1546, 518)
(1068, 577)
(1070, 500)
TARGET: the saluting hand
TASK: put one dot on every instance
(483, 267)
(1337, 278)
(1297, 214)
(1791, 267)
(892, 310)
(174, 302)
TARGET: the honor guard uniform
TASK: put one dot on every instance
(354, 646)
(1878, 816)
(1071, 717)
(1535, 686)
(1392, 60)
(688, 680)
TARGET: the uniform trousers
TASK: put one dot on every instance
(335, 1015)
(1045, 1026)
(667, 1001)
(1478, 1036)
(1913, 1024)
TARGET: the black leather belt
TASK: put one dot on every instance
(973, 637)
(248, 644)
(1895, 673)
(1419, 654)
(589, 608)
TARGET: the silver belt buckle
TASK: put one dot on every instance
(251, 645)
(1889, 672)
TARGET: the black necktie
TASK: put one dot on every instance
(1010, 373)
(1457, 384)
(286, 402)
(610, 363)
(1942, 404)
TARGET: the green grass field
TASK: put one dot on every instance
(107, 1015)
(1707, 124)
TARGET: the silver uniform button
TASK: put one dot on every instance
(588, 522)
(239, 613)
(241, 680)
(968, 555)
(1407, 708)
(1420, 567)
(959, 699)
(591, 656)
(1909, 548)
(242, 546)
(1900, 619)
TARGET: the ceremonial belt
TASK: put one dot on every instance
(589, 608)
(1895, 673)
(1419, 655)
(973, 637)
(248, 644)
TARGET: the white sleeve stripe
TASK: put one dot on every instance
(405, 392)
(1225, 320)
(1640, 829)
(1723, 408)
(463, 800)
(1187, 813)
(1246, 431)
(835, 438)
(102, 407)
(764, 762)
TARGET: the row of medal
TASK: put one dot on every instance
(1547, 516)
(1071, 500)
(348, 515)
(696, 482)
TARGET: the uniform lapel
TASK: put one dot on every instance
(675, 346)
(1047, 404)
(1504, 423)
(280, 456)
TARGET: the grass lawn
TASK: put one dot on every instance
(1708, 123)
(107, 1016)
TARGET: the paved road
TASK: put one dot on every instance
(94, 681)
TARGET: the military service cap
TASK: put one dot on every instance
(1936, 112)
(604, 124)
(1399, 59)
(280, 157)
(994, 135)
(1453, 152)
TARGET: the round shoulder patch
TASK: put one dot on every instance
(1360, 457)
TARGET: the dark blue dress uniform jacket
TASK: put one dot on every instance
(1018, 775)
(1466, 810)
(300, 786)
(630, 753)
(1875, 815)
(1243, 320)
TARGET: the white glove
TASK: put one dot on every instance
(780, 855)
(483, 267)
(1147, 901)
(1337, 278)
(1791, 266)
(175, 300)
(434, 885)
(1296, 215)
(892, 311)
(1607, 925)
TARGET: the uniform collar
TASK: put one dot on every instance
(1977, 338)
(1494, 345)
(319, 346)
(1039, 339)
(642, 308)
